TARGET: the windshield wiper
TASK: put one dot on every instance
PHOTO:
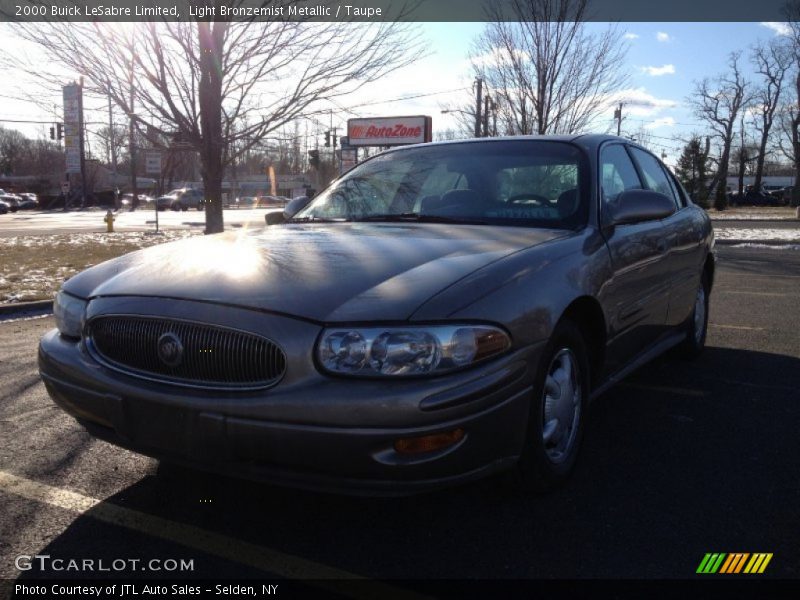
(417, 218)
(314, 219)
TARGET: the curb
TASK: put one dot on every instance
(731, 242)
(25, 307)
(766, 220)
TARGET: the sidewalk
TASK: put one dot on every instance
(754, 213)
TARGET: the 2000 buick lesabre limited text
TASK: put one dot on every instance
(439, 313)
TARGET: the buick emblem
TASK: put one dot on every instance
(170, 350)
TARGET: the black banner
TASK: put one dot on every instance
(374, 10)
(730, 588)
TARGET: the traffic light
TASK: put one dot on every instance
(52, 133)
(313, 158)
(334, 139)
(327, 139)
(60, 131)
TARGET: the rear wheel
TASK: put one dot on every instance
(558, 409)
(697, 325)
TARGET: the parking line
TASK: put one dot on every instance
(666, 389)
(736, 327)
(724, 291)
(265, 559)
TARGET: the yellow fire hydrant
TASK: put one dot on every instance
(109, 222)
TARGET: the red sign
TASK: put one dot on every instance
(389, 131)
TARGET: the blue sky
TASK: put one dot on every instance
(663, 61)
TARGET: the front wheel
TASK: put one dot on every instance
(558, 407)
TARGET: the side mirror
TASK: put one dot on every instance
(636, 206)
(274, 218)
(294, 206)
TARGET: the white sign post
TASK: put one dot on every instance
(152, 163)
(72, 127)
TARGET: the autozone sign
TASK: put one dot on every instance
(389, 131)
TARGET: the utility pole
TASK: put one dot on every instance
(618, 117)
(486, 102)
(494, 117)
(80, 142)
(478, 102)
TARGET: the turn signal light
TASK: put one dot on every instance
(428, 443)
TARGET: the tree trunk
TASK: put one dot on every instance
(721, 197)
(796, 146)
(742, 162)
(762, 151)
(211, 39)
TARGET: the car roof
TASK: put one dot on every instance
(588, 140)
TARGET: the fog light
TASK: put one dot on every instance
(428, 443)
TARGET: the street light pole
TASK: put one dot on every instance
(478, 99)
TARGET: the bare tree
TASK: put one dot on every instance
(718, 103)
(220, 87)
(13, 149)
(790, 115)
(771, 61)
(550, 75)
(20, 155)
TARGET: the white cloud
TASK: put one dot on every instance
(662, 122)
(777, 27)
(631, 36)
(659, 71)
(639, 103)
(663, 37)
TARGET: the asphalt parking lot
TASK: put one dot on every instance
(680, 460)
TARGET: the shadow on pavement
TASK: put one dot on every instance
(680, 460)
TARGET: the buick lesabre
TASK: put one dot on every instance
(440, 313)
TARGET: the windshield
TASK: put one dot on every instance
(509, 182)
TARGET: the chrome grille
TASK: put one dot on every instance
(211, 356)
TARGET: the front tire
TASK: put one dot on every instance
(558, 411)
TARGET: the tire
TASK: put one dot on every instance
(547, 464)
(697, 324)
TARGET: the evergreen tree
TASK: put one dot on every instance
(692, 171)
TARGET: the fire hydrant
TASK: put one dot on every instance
(109, 222)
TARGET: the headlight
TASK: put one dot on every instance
(69, 311)
(392, 351)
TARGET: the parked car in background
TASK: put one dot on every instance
(753, 197)
(26, 201)
(13, 201)
(31, 200)
(246, 202)
(439, 313)
(181, 199)
(126, 199)
(273, 201)
(4, 208)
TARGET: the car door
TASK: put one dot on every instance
(636, 298)
(685, 237)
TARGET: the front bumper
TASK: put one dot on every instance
(296, 436)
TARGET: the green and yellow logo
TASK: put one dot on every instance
(737, 562)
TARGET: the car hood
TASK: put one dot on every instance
(321, 272)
